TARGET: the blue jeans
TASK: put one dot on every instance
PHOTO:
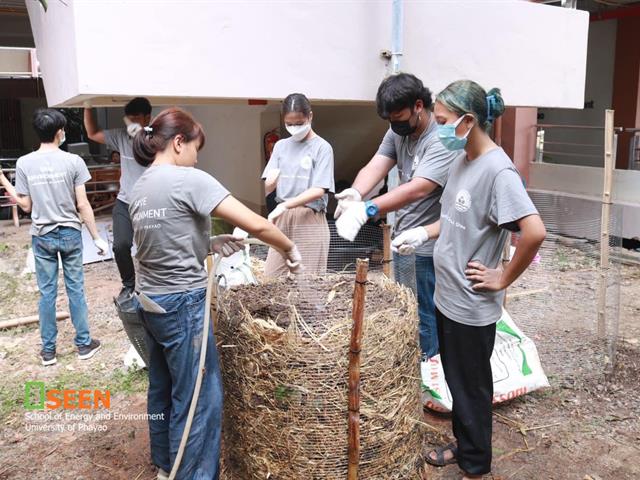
(423, 286)
(174, 340)
(67, 242)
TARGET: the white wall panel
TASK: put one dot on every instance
(197, 51)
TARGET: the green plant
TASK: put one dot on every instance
(71, 380)
(8, 287)
(128, 381)
(11, 399)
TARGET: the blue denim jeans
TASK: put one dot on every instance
(423, 286)
(67, 242)
(174, 340)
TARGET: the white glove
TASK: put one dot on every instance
(294, 261)
(276, 212)
(86, 104)
(407, 242)
(272, 175)
(352, 220)
(101, 245)
(226, 245)
(344, 198)
(240, 233)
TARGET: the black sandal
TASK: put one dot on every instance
(439, 460)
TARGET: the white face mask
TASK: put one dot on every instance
(132, 128)
(298, 132)
(63, 138)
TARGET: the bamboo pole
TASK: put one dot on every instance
(18, 322)
(386, 250)
(604, 223)
(362, 267)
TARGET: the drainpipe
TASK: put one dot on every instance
(396, 52)
(396, 35)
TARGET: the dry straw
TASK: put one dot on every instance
(284, 350)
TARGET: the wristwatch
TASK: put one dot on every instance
(371, 209)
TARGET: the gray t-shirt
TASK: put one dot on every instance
(50, 179)
(427, 158)
(483, 200)
(130, 171)
(171, 214)
(303, 165)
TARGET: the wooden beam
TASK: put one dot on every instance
(18, 322)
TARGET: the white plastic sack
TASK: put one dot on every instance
(515, 365)
(132, 359)
(236, 269)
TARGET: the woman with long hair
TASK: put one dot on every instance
(171, 208)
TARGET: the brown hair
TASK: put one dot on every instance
(163, 128)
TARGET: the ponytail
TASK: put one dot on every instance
(155, 137)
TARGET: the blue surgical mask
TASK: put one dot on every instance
(448, 137)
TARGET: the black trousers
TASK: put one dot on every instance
(122, 243)
(465, 352)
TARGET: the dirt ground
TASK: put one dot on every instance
(585, 426)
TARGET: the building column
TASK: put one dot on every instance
(626, 84)
(519, 137)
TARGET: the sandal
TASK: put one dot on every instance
(439, 460)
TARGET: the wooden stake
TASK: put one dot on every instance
(386, 250)
(362, 267)
(14, 215)
(506, 252)
(18, 322)
(214, 296)
(506, 258)
(609, 166)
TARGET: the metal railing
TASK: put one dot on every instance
(634, 149)
(557, 149)
(101, 191)
(561, 3)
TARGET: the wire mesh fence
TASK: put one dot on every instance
(566, 301)
(288, 359)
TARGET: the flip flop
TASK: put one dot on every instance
(439, 460)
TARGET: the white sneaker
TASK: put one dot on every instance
(162, 475)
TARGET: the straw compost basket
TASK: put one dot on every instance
(284, 349)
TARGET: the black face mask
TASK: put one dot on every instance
(404, 127)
